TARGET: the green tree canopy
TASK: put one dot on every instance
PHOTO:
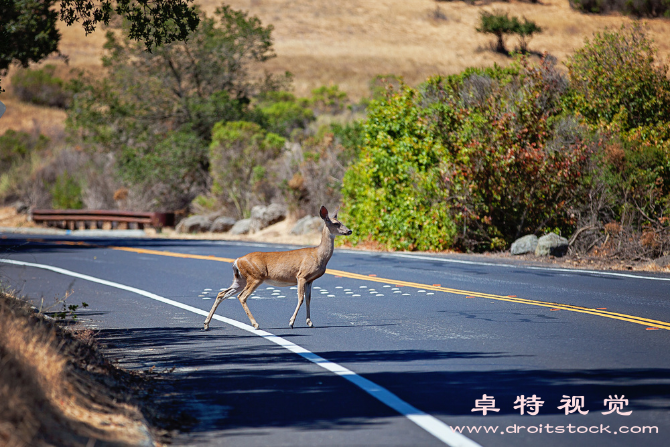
(160, 106)
(28, 30)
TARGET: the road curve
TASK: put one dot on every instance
(434, 333)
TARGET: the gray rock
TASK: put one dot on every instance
(551, 244)
(241, 227)
(264, 216)
(526, 244)
(307, 225)
(21, 208)
(222, 224)
(194, 224)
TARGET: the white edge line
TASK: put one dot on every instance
(432, 425)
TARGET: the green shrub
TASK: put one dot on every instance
(40, 87)
(351, 136)
(238, 155)
(284, 113)
(515, 162)
(391, 195)
(66, 193)
(328, 99)
(174, 169)
(16, 146)
(616, 76)
(380, 84)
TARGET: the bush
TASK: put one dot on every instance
(515, 163)
(328, 99)
(66, 193)
(239, 154)
(16, 146)
(283, 113)
(637, 8)
(391, 194)
(616, 77)
(173, 171)
(40, 87)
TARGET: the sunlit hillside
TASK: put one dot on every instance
(349, 41)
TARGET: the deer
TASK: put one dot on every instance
(283, 269)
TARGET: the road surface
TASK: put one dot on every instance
(406, 349)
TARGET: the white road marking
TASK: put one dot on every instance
(429, 423)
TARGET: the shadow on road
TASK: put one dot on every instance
(241, 383)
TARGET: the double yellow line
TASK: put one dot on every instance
(651, 324)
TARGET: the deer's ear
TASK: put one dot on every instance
(335, 216)
(323, 213)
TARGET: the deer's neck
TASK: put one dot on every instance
(325, 249)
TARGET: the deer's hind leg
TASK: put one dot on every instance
(248, 290)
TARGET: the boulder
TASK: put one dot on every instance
(551, 244)
(526, 244)
(21, 208)
(222, 224)
(194, 224)
(264, 216)
(241, 227)
(307, 225)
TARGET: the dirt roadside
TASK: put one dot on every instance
(58, 389)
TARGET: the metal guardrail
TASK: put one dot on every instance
(74, 219)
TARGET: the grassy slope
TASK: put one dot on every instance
(348, 42)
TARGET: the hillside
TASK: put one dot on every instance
(348, 42)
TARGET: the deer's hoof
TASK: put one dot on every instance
(256, 326)
(290, 325)
(206, 327)
(309, 324)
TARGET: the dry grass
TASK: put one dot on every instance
(10, 218)
(348, 42)
(55, 390)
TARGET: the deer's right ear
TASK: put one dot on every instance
(323, 213)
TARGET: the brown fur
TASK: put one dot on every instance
(282, 269)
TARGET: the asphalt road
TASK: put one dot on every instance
(457, 329)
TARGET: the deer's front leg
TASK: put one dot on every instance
(308, 300)
(301, 297)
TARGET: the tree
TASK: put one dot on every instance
(27, 32)
(155, 111)
(239, 154)
(499, 25)
(525, 31)
(28, 27)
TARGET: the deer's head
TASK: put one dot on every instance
(335, 227)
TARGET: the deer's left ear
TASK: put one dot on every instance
(323, 213)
